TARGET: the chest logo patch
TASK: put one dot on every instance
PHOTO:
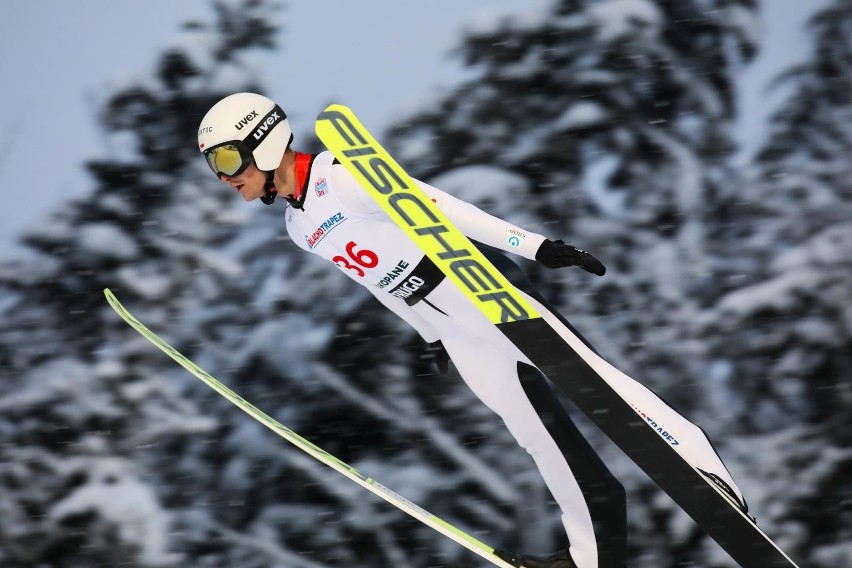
(321, 187)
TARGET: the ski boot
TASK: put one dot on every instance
(559, 559)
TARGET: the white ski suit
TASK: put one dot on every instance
(339, 221)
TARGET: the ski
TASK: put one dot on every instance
(589, 381)
(496, 557)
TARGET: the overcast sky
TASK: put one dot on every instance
(68, 52)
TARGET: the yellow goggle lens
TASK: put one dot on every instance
(225, 159)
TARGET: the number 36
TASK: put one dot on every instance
(364, 257)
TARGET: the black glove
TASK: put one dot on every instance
(556, 254)
(439, 356)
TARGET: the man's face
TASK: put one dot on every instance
(249, 183)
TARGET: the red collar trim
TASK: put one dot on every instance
(302, 167)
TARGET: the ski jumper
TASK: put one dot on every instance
(334, 217)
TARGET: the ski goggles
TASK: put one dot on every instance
(229, 158)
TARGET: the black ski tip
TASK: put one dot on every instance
(508, 556)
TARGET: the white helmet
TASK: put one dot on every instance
(242, 128)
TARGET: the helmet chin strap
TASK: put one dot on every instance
(269, 191)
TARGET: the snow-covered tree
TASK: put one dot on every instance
(82, 403)
(785, 333)
(607, 123)
(111, 455)
(618, 116)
